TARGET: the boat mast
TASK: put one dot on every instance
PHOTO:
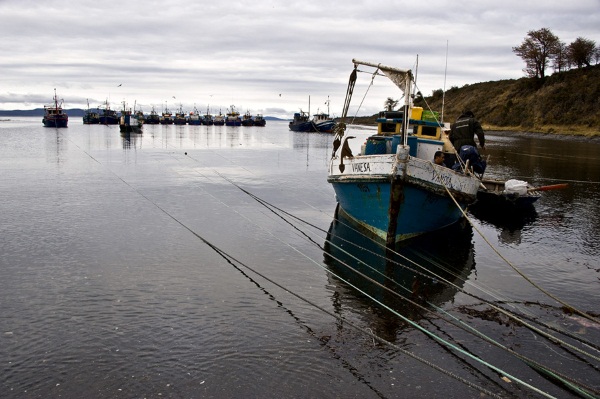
(416, 72)
(444, 91)
(407, 109)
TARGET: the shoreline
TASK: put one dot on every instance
(585, 132)
(568, 131)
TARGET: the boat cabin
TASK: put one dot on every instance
(425, 135)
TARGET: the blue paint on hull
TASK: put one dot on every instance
(326, 127)
(421, 211)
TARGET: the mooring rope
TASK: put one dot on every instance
(433, 336)
(340, 318)
(441, 278)
(516, 269)
(567, 380)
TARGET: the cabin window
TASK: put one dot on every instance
(429, 131)
(388, 128)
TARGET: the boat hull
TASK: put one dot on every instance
(493, 196)
(325, 127)
(397, 196)
(55, 122)
(302, 127)
(367, 205)
(109, 120)
(90, 119)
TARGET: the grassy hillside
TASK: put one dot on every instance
(563, 103)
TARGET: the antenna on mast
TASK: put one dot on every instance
(416, 73)
(444, 90)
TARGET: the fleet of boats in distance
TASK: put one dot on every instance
(55, 116)
(108, 116)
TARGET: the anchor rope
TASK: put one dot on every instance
(570, 381)
(173, 217)
(429, 273)
(516, 269)
(574, 384)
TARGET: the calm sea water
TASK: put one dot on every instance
(194, 261)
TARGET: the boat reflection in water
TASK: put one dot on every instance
(131, 140)
(422, 272)
(509, 222)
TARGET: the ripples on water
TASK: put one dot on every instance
(109, 289)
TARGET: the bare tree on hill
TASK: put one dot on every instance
(537, 50)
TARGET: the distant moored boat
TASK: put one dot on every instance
(259, 120)
(233, 117)
(54, 116)
(109, 116)
(153, 118)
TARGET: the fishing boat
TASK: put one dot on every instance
(392, 190)
(194, 118)
(91, 117)
(166, 117)
(139, 115)
(247, 119)
(207, 118)
(108, 116)
(128, 123)
(302, 123)
(219, 120)
(233, 117)
(259, 120)
(323, 123)
(180, 118)
(152, 118)
(54, 116)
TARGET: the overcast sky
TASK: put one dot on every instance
(263, 56)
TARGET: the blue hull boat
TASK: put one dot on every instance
(301, 123)
(393, 190)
